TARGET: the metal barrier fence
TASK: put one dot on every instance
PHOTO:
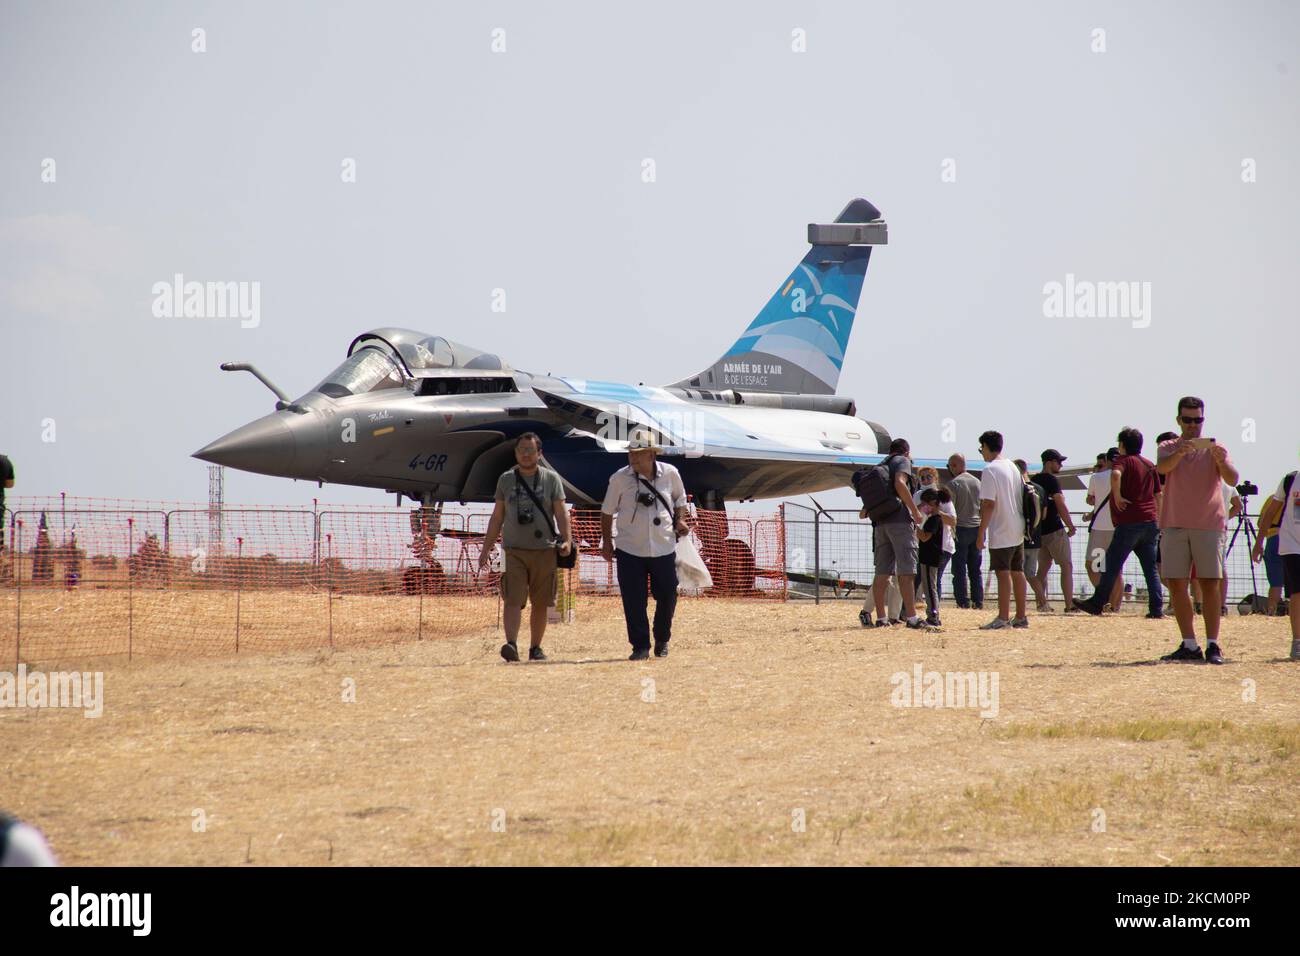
(829, 555)
(91, 577)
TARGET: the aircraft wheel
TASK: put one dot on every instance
(430, 579)
(734, 571)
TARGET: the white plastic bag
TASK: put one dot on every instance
(692, 573)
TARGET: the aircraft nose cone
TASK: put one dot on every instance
(265, 446)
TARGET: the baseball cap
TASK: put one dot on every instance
(1052, 455)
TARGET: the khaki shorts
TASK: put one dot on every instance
(1098, 541)
(1056, 547)
(895, 547)
(530, 573)
(1180, 548)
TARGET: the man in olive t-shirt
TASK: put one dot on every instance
(528, 536)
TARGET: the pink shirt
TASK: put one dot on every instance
(1193, 492)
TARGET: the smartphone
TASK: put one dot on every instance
(1201, 442)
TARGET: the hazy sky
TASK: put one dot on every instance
(522, 170)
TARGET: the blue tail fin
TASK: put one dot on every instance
(797, 342)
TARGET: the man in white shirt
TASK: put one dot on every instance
(648, 500)
(1102, 529)
(1002, 527)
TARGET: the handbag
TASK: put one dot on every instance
(562, 560)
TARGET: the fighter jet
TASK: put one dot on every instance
(434, 420)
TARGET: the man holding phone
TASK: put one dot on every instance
(1193, 519)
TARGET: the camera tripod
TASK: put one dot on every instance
(1252, 535)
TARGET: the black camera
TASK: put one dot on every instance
(645, 498)
(525, 517)
(1246, 488)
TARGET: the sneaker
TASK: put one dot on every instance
(536, 654)
(916, 624)
(965, 606)
(996, 624)
(1081, 605)
(1212, 653)
(882, 624)
(1181, 653)
(640, 654)
(933, 620)
(509, 651)
(894, 622)
(978, 605)
(864, 618)
(661, 649)
(1155, 615)
(1020, 622)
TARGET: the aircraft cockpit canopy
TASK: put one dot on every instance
(390, 358)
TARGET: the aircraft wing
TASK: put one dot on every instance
(769, 443)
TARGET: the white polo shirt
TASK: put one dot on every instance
(634, 529)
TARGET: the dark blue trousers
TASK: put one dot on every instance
(632, 574)
(1139, 539)
(967, 560)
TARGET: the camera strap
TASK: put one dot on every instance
(550, 525)
(655, 492)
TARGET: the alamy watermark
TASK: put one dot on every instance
(922, 688)
(1084, 299)
(38, 689)
(179, 299)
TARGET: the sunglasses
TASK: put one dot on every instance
(1191, 421)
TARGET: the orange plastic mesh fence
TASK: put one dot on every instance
(82, 577)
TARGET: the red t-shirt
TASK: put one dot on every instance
(1138, 486)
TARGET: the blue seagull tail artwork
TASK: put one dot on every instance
(796, 344)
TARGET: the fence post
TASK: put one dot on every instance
(817, 557)
(239, 587)
(16, 550)
(785, 567)
(315, 542)
(329, 591)
(130, 588)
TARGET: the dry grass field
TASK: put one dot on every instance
(764, 715)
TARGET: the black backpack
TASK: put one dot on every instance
(1033, 505)
(874, 486)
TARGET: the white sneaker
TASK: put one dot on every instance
(996, 624)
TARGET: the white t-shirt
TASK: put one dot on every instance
(1099, 488)
(1001, 483)
(949, 538)
(1288, 534)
